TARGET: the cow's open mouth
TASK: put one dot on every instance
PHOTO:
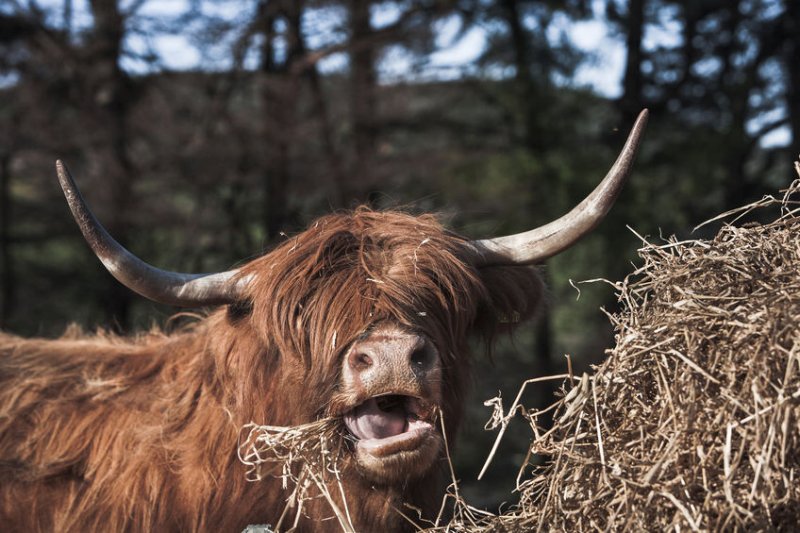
(387, 424)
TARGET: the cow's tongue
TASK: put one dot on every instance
(372, 420)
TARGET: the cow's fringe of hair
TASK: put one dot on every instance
(361, 268)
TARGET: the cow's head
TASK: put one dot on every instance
(374, 308)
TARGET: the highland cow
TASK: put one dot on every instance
(363, 317)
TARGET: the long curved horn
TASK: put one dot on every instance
(171, 288)
(546, 241)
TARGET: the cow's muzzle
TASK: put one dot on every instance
(390, 423)
(395, 437)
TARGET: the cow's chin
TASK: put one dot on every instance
(396, 438)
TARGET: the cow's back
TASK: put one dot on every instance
(72, 413)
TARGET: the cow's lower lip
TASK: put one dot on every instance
(413, 438)
(401, 457)
(390, 424)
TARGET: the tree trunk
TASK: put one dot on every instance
(320, 112)
(363, 81)
(736, 94)
(519, 41)
(631, 101)
(528, 93)
(109, 100)
(67, 16)
(280, 97)
(791, 20)
(335, 163)
(6, 268)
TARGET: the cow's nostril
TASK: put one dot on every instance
(360, 361)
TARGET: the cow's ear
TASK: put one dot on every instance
(514, 295)
(239, 310)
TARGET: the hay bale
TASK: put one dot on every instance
(693, 420)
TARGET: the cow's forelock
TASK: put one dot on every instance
(318, 291)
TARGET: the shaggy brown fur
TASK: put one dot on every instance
(100, 433)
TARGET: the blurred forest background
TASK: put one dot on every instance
(204, 131)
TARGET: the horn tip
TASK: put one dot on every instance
(635, 135)
(641, 120)
(61, 169)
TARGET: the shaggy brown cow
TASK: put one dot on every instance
(364, 317)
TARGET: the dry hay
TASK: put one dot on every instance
(693, 420)
(307, 458)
